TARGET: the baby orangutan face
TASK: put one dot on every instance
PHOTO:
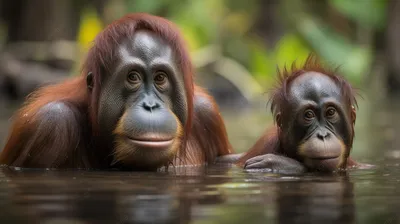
(317, 127)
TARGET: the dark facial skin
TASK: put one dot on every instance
(314, 129)
(142, 106)
(317, 126)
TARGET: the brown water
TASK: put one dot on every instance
(219, 194)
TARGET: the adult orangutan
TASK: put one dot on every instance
(314, 111)
(134, 107)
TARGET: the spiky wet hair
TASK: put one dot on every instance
(279, 97)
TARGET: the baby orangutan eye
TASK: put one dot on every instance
(330, 112)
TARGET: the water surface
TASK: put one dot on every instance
(198, 195)
(218, 194)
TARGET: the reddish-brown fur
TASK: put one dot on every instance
(205, 134)
(270, 140)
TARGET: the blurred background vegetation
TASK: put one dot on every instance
(241, 41)
(236, 45)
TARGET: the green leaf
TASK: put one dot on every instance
(291, 48)
(151, 6)
(354, 60)
(368, 13)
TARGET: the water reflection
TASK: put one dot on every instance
(317, 202)
(106, 197)
(197, 195)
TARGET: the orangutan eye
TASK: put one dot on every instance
(330, 112)
(309, 114)
(134, 77)
(160, 78)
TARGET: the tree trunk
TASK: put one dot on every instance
(269, 24)
(40, 47)
(393, 48)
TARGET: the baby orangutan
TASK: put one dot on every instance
(314, 112)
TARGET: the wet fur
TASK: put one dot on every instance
(34, 140)
(270, 141)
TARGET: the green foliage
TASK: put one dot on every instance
(264, 62)
(368, 13)
(220, 22)
(335, 49)
(195, 19)
(291, 48)
(89, 27)
(227, 24)
(147, 6)
(261, 65)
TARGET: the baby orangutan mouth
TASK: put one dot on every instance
(322, 153)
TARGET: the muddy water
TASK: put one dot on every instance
(218, 194)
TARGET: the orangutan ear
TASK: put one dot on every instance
(353, 115)
(278, 119)
(89, 80)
